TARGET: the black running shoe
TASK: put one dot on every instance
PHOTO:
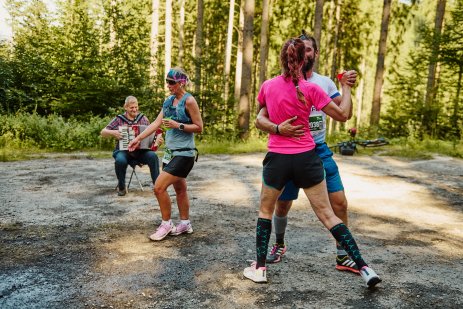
(276, 253)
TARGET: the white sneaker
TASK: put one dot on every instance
(182, 228)
(258, 275)
(370, 277)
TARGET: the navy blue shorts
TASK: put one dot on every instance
(333, 179)
(179, 166)
(304, 169)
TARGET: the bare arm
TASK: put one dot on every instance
(341, 112)
(285, 128)
(348, 79)
(148, 131)
(111, 133)
(193, 110)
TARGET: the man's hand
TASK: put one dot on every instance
(349, 78)
(117, 134)
(287, 129)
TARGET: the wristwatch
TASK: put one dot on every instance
(181, 127)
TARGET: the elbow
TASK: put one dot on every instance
(257, 123)
(341, 117)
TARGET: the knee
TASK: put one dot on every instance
(158, 190)
(121, 161)
(282, 208)
(339, 207)
(180, 190)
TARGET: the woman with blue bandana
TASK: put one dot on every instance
(181, 118)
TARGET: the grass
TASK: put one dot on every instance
(423, 149)
(212, 146)
(406, 148)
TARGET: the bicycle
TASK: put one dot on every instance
(348, 148)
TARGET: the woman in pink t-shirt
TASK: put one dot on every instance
(286, 96)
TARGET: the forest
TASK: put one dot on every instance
(67, 67)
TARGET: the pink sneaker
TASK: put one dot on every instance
(182, 228)
(162, 231)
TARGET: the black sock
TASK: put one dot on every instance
(280, 239)
(342, 234)
(263, 231)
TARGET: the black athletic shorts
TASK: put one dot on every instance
(304, 169)
(179, 166)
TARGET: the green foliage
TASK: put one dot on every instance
(86, 57)
(232, 146)
(423, 149)
(52, 132)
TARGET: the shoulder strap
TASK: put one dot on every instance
(135, 121)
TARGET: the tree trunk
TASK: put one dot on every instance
(317, 28)
(376, 104)
(359, 93)
(429, 118)
(457, 99)
(246, 80)
(264, 37)
(154, 40)
(239, 54)
(228, 50)
(334, 63)
(112, 30)
(199, 46)
(168, 38)
(181, 33)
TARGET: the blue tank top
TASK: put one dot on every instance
(175, 138)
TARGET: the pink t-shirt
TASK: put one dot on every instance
(279, 95)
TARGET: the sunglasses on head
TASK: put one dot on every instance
(171, 82)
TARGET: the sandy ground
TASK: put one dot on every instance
(68, 241)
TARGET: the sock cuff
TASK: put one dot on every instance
(263, 220)
(337, 226)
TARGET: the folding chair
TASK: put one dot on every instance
(134, 166)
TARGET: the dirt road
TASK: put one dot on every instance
(68, 241)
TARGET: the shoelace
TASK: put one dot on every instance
(275, 249)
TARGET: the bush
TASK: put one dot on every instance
(52, 132)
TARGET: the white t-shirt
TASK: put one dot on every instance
(317, 119)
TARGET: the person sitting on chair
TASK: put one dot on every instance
(123, 158)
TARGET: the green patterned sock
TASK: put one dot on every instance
(263, 231)
(342, 234)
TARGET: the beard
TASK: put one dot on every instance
(308, 65)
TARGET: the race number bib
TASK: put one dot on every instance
(316, 123)
(167, 156)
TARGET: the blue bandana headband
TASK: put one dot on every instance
(177, 76)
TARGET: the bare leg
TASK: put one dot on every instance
(160, 190)
(183, 202)
(338, 202)
(318, 197)
(268, 197)
(283, 208)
